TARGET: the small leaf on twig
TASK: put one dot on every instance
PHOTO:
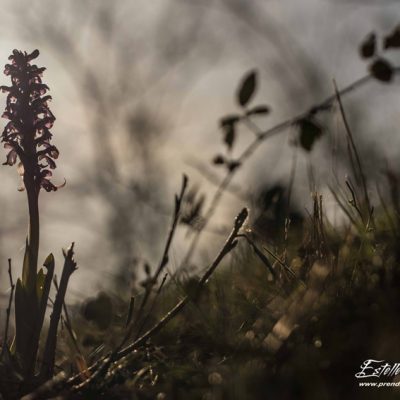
(228, 126)
(310, 131)
(381, 70)
(247, 88)
(259, 110)
(229, 120)
(232, 165)
(368, 46)
(218, 160)
(229, 135)
(393, 40)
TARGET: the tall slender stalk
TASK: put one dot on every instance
(27, 136)
(30, 268)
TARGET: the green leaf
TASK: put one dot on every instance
(49, 265)
(368, 46)
(393, 40)
(259, 110)
(49, 261)
(381, 70)
(310, 131)
(247, 88)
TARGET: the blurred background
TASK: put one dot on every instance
(138, 88)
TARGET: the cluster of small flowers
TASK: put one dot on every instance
(27, 135)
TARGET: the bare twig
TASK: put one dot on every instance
(164, 259)
(231, 242)
(12, 285)
(229, 245)
(165, 256)
(102, 364)
(105, 362)
(227, 248)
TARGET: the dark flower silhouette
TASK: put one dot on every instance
(27, 135)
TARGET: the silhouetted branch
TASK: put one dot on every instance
(260, 138)
(164, 259)
(149, 284)
(59, 383)
(230, 244)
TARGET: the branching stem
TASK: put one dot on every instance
(260, 138)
